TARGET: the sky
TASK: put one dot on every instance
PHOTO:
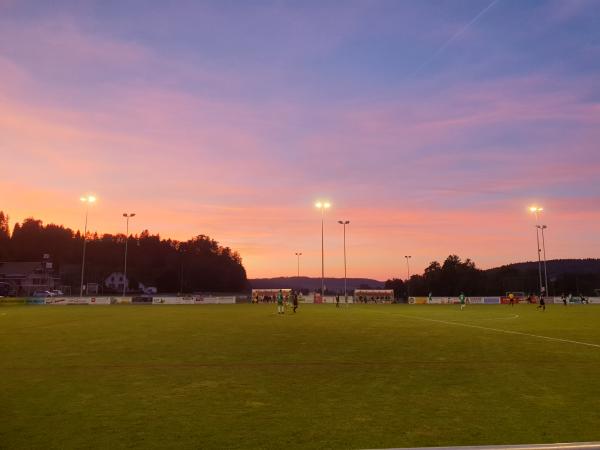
(430, 125)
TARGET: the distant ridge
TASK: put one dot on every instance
(331, 284)
(557, 266)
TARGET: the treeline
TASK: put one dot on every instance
(199, 264)
(454, 276)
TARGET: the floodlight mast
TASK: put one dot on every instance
(344, 223)
(298, 255)
(87, 199)
(537, 210)
(125, 282)
(322, 205)
(407, 276)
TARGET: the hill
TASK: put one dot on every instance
(331, 284)
(558, 266)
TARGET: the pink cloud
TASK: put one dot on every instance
(246, 172)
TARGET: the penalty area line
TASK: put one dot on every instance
(500, 330)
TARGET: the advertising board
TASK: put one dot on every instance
(56, 300)
(102, 300)
(77, 301)
(215, 300)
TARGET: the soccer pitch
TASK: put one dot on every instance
(241, 376)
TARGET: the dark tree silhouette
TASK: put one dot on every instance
(199, 264)
(455, 276)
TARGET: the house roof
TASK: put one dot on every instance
(19, 268)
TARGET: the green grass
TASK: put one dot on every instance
(240, 376)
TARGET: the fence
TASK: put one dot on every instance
(498, 300)
(233, 299)
(113, 300)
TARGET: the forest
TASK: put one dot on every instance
(198, 264)
(454, 275)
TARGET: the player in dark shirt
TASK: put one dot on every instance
(542, 304)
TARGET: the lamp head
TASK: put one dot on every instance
(88, 199)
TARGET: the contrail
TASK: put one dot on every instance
(453, 38)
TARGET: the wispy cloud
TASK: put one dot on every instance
(239, 149)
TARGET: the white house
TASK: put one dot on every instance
(116, 281)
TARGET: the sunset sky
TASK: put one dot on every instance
(430, 125)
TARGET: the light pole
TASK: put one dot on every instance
(125, 282)
(88, 199)
(543, 227)
(536, 210)
(298, 255)
(322, 205)
(344, 223)
(407, 275)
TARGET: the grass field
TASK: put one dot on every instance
(240, 376)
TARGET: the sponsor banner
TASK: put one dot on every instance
(35, 301)
(56, 300)
(436, 300)
(505, 300)
(419, 300)
(174, 300)
(215, 300)
(80, 300)
(475, 300)
(307, 299)
(102, 300)
(595, 300)
(491, 300)
(141, 300)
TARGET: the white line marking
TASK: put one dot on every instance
(520, 333)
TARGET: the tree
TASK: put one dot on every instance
(398, 286)
(201, 263)
(4, 236)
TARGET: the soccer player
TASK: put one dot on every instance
(542, 304)
(461, 297)
(295, 301)
(511, 297)
(564, 299)
(429, 298)
(280, 309)
(337, 301)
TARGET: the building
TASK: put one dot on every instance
(116, 281)
(25, 278)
